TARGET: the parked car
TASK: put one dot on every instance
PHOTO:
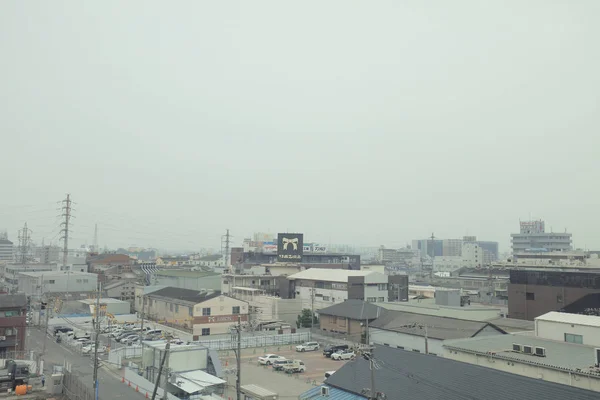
(129, 337)
(308, 346)
(154, 332)
(123, 335)
(343, 355)
(295, 366)
(63, 329)
(278, 365)
(268, 359)
(329, 350)
(90, 349)
(329, 373)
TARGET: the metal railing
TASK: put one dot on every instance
(256, 341)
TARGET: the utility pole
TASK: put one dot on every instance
(96, 340)
(426, 341)
(47, 316)
(238, 380)
(162, 363)
(66, 209)
(96, 239)
(143, 304)
(24, 242)
(432, 255)
(312, 309)
(167, 347)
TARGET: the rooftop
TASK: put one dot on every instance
(105, 300)
(513, 325)
(196, 381)
(184, 273)
(13, 300)
(566, 318)
(437, 327)
(473, 312)
(328, 275)
(36, 274)
(353, 309)
(212, 257)
(406, 375)
(185, 295)
(558, 354)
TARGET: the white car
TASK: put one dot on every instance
(90, 349)
(308, 346)
(268, 359)
(343, 355)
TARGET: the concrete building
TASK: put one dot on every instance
(394, 256)
(120, 289)
(211, 261)
(10, 273)
(43, 282)
(452, 247)
(116, 263)
(533, 292)
(428, 247)
(264, 308)
(6, 251)
(187, 279)
(13, 311)
(472, 312)
(542, 359)
(570, 328)
(320, 288)
(533, 235)
(424, 333)
(349, 318)
(204, 312)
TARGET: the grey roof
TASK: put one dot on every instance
(5, 241)
(558, 354)
(353, 309)
(512, 324)
(184, 295)
(437, 327)
(406, 375)
(13, 300)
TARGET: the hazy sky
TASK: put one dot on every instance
(365, 122)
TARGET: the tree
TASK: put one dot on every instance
(304, 321)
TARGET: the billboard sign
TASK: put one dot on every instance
(290, 247)
(269, 248)
(319, 249)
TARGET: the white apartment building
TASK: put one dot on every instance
(38, 283)
(266, 308)
(472, 256)
(6, 250)
(320, 288)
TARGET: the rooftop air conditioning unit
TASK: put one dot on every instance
(527, 349)
(517, 347)
(540, 352)
(324, 391)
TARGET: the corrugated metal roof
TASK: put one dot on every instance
(511, 324)
(406, 375)
(437, 327)
(257, 390)
(428, 307)
(558, 354)
(566, 318)
(334, 394)
(328, 275)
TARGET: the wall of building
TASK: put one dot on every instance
(397, 287)
(531, 371)
(322, 297)
(405, 341)
(557, 331)
(58, 282)
(14, 328)
(171, 311)
(221, 317)
(531, 301)
(350, 327)
(185, 282)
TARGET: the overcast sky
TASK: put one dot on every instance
(360, 122)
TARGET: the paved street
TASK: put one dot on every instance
(82, 366)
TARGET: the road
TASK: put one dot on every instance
(110, 385)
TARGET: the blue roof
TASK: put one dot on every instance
(334, 394)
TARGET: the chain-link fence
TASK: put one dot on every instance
(256, 341)
(75, 389)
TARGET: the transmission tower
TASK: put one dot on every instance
(96, 239)
(225, 239)
(66, 214)
(24, 243)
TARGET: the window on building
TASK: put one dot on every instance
(176, 308)
(8, 332)
(171, 307)
(530, 296)
(325, 298)
(78, 280)
(235, 310)
(225, 282)
(206, 331)
(11, 313)
(52, 281)
(382, 286)
(416, 351)
(206, 311)
(572, 338)
(264, 282)
(372, 299)
(191, 311)
(86, 280)
(381, 299)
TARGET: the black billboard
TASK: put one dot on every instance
(289, 247)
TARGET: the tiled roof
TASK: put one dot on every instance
(437, 327)
(406, 375)
(558, 354)
(353, 309)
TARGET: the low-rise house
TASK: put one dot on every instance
(349, 318)
(406, 375)
(13, 311)
(534, 357)
(204, 312)
(424, 333)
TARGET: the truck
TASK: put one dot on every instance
(295, 367)
(14, 374)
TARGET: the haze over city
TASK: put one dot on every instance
(352, 122)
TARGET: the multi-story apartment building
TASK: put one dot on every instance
(320, 288)
(533, 235)
(13, 311)
(452, 247)
(6, 250)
